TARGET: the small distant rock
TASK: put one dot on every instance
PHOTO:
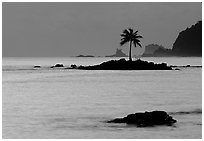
(57, 66)
(73, 66)
(146, 119)
(37, 66)
(85, 55)
(173, 66)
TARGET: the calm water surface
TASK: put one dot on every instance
(59, 103)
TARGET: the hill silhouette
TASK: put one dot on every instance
(187, 44)
(162, 52)
(154, 50)
(151, 48)
(118, 53)
(189, 41)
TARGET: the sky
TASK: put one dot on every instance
(69, 29)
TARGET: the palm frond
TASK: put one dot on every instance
(135, 33)
(123, 41)
(136, 42)
(138, 36)
(123, 35)
(129, 35)
(126, 32)
(139, 44)
(130, 31)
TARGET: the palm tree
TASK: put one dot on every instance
(129, 35)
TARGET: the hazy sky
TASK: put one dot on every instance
(69, 29)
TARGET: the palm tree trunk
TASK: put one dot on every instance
(130, 56)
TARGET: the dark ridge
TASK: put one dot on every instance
(186, 66)
(196, 111)
(122, 64)
(146, 119)
(84, 56)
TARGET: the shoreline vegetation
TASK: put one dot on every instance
(122, 64)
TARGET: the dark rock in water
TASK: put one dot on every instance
(146, 119)
(73, 66)
(122, 64)
(57, 66)
(37, 66)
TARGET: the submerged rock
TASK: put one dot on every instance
(146, 119)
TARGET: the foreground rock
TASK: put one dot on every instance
(122, 64)
(146, 119)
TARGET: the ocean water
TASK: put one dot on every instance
(62, 103)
